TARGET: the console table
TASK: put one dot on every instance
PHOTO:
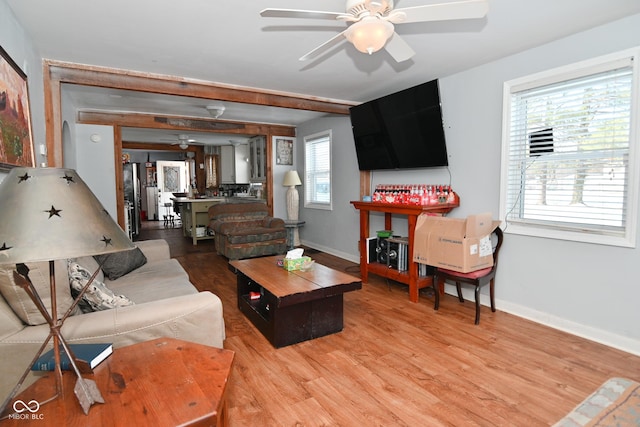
(409, 277)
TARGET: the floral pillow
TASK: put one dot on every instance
(98, 296)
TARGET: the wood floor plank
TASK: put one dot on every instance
(398, 363)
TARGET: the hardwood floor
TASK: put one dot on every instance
(397, 363)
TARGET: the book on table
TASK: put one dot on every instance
(93, 354)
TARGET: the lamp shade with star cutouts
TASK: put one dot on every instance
(47, 214)
(50, 213)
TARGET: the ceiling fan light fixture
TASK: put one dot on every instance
(183, 145)
(215, 110)
(370, 34)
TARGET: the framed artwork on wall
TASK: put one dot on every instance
(16, 141)
(284, 150)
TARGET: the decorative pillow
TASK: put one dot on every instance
(118, 264)
(97, 297)
(20, 301)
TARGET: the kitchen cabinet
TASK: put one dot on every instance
(257, 158)
(227, 164)
(234, 164)
(242, 163)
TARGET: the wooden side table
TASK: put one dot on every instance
(163, 382)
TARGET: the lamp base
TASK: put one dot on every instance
(85, 390)
(293, 203)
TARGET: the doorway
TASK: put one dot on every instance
(173, 177)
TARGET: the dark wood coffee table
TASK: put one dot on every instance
(294, 306)
(163, 382)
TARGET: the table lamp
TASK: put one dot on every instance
(291, 179)
(50, 214)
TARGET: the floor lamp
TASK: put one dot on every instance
(50, 214)
(291, 179)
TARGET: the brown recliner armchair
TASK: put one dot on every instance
(245, 230)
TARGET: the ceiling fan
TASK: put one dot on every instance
(372, 22)
(184, 141)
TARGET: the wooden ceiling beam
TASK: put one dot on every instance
(88, 75)
(156, 146)
(180, 123)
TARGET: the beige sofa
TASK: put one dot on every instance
(165, 304)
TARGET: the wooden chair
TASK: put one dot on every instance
(477, 278)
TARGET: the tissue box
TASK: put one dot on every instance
(295, 264)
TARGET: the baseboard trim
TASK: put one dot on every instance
(331, 251)
(583, 331)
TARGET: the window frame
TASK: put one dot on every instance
(308, 201)
(627, 238)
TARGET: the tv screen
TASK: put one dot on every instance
(403, 130)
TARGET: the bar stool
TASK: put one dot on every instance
(168, 215)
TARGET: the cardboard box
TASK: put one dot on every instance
(456, 244)
(295, 264)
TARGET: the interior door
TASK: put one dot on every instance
(173, 177)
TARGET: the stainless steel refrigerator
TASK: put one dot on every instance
(132, 197)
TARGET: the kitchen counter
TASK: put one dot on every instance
(194, 213)
(198, 200)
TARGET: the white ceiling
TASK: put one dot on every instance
(228, 42)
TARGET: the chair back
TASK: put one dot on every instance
(499, 236)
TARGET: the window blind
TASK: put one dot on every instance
(318, 169)
(568, 152)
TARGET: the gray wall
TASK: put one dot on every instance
(336, 231)
(95, 163)
(583, 288)
(18, 45)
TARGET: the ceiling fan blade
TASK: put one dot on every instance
(466, 9)
(398, 48)
(323, 47)
(294, 13)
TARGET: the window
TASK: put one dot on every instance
(317, 170)
(211, 170)
(569, 152)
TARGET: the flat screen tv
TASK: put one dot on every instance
(403, 130)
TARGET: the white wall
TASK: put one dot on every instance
(586, 289)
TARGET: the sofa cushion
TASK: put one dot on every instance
(153, 281)
(117, 264)
(10, 323)
(97, 296)
(20, 301)
(253, 235)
